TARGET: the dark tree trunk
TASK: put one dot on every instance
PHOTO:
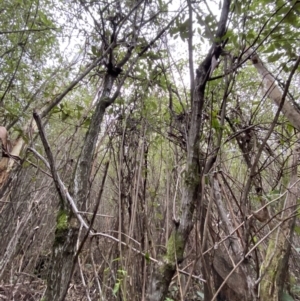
(165, 269)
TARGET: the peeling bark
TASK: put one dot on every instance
(14, 149)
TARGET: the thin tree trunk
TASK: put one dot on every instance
(165, 269)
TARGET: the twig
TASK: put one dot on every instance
(49, 154)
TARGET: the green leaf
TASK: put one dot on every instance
(153, 56)
(251, 35)
(174, 30)
(292, 19)
(64, 116)
(289, 128)
(122, 272)
(94, 50)
(56, 110)
(270, 48)
(116, 259)
(215, 121)
(274, 58)
(116, 288)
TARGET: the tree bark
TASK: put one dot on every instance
(165, 269)
(270, 87)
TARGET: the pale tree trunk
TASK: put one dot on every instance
(270, 87)
(7, 164)
(275, 266)
(165, 269)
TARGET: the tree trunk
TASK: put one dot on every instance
(67, 227)
(165, 269)
(290, 111)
